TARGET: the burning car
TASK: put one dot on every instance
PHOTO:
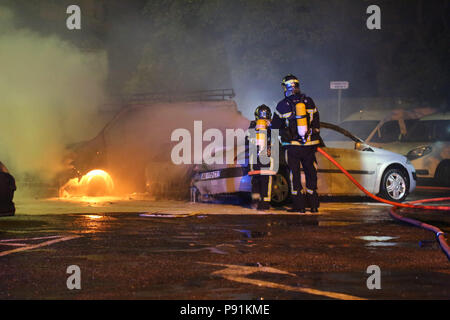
(382, 172)
(7, 189)
(134, 149)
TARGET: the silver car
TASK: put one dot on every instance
(381, 172)
(429, 144)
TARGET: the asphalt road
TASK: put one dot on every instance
(178, 250)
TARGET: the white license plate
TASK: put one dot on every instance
(210, 175)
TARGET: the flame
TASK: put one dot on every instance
(96, 183)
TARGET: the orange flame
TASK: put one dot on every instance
(95, 183)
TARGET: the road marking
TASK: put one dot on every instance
(27, 239)
(238, 273)
(35, 246)
(13, 244)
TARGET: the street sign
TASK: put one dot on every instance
(341, 85)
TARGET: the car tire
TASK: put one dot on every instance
(442, 175)
(280, 189)
(394, 185)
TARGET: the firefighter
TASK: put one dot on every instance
(7, 188)
(261, 173)
(297, 118)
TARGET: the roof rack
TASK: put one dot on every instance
(203, 95)
(124, 101)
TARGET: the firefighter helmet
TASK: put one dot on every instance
(263, 112)
(290, 84)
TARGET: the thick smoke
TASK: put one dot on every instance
(49, 93)
(135, 147)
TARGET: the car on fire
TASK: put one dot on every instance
(381, 172)
(7, 189)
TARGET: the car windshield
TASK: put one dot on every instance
(390, 131)
(360, 128)
(429, 131)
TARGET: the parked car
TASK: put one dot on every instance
(7, 189)
(425, 142)
(380, 127)
(428, 142)
(382, 172)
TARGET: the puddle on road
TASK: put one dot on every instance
(305, 221)
(382, 244)
(189, 250)
(253, 234)
(336, 223)
(93, 223)
(164, 215)
(376, 238)
(379, 241)
(385, 241)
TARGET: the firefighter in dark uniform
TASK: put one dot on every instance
(261, 173)
(297, 118)
(7, 188)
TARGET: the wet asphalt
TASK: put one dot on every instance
(156, 255)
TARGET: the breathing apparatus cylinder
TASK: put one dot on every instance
(261, 132)
(302, 122)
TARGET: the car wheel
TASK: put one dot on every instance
(280, 190)
(394, 185)
(442, 175)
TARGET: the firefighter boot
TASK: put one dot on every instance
(298, 202)
(263, 205)
(312, 200)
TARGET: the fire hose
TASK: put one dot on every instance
(411, 205)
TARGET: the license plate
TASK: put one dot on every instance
(210, 175)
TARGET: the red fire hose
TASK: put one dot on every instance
(412, 205)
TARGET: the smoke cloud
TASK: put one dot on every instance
(49, 93)
(135, 146)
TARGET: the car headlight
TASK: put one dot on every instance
(418, 152)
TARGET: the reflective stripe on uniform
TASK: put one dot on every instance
(294, 192)
(297, 143)
(269, 190)
(283, 115)
(262, 172)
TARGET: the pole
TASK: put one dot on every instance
(339, 106)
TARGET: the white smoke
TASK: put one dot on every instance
(49, 93)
